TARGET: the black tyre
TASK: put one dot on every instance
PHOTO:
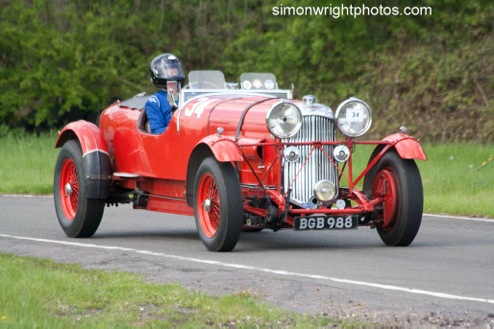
(217, 205)
(398, 182)
(78, 215)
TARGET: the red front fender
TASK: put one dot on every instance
(225, 149)
(406, 146)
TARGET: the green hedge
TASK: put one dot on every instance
(62, 60)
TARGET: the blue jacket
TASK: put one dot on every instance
(159, 112)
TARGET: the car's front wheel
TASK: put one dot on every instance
(397, 181)
(78, 215)
(217, 205)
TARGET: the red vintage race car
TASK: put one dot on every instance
(240, 157)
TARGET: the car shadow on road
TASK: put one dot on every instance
(289, 240)
(150, 235)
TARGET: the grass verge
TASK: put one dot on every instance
(27, 163)
(458, 179)
(39, 293)
(455, 182)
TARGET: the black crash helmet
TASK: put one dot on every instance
(165, 67)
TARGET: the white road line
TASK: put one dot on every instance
(473, 219)
(33, 196)
(258, 269)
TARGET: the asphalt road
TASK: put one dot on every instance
(445, 278)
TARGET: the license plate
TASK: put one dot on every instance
(325, 223)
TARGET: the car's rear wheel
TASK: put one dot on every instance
(398, 182)
(78, 215)
(217, 205)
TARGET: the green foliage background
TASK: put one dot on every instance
(62, 60)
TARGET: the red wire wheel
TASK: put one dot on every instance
(69, 189)
(218, 206)
(386, 188)
(209, 205)
(398, 183)
(78, 215)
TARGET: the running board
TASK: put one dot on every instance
(125, 175)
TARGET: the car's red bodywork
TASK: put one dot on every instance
(158, 172)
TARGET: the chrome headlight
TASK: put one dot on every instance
(354, 117)
(324, 190)
(284, 120)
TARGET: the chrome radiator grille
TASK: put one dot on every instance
(301, 175)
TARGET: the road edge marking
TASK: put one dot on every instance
(474, 219)
(258, 269)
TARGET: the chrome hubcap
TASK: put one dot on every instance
(207, 205)
(68, 189)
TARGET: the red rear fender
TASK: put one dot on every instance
(97, 165)
(88, 134)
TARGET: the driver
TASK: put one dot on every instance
(164, 70)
